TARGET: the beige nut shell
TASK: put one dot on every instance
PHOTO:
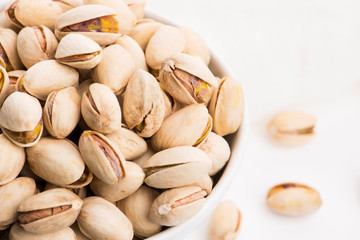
(137, 7)
(144, 30)
(5, 82)
(8, 40)
(135, 51)
(18, 233)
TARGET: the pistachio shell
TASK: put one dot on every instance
(176, 167)
(195, 45)
(78, 51)
(129, 184)
(84, 86)
(135, 51)
(144, 30)
(175, 206)
(27, 172)
(18, 233)
(137, 207)
(166, 42)
(171, 105)
(5, 23)
(51, 221)
(100, 109)
(9, 57)
(13, 78)
(81, 192)
(205, 183)
(130, 144)
(12, 195)
(99, 219)
(227, 106)
(115, 69)
(78, 233)
(4, 84)
(66, 5)
(137, 7)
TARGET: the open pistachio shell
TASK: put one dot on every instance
(12, 195)
(4, 84)
(129, 184)
(227, 106)
(195, 45)
(100, 219)
(102, 157)
(189, 126)
(9, 58)
(144, 108)
(144, 30)
(35, 44)
(13, 78)
(18, 233)
(81, 192)
(137, 7)
(177, 205)
(135, 51)
(84, 86)
(78, 51)
(49, 211)
(100, 109)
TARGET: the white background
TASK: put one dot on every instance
(290, 55)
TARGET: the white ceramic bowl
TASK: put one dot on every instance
(237, 144)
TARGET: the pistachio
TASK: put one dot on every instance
(102, 157)
(144, 30)
(292, 127)
(137, 7)
(225, 222)
(4, 84)
(5, 23)
(13, 78)
(166, 42)
(175, 206)
(66, 5)
(227, 106)
(293, 199)
(171, 105)
(81, 192)
(137, 207)
(27, 172)
(9, 58)
(205, 183)
(84, 86)
(135, 51)
(99, 219)
(195, 45)
(78, 233)
(49, 211)
(18, 233)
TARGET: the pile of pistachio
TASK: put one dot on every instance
(112, 124)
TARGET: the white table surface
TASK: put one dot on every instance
(290, 55)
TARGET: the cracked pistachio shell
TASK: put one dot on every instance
(166, 42)
(195, 45)
(81, 192)
(187, 79)
(292, 127)
(218, 150)
(5, 23)
(54, 198)
(189, 126)
(62, 112)
(205, 183)
(177, 205)
(35, 44)
(137, 7)
(18, 233)
(144, 30)
(13, 78)
(176, 167)
(142, 160)
(57, 161)
(137, 207)
(115, 69)
(78, 51)
(21, 119)
(135, 51)
(100, 109)
(224, 222)
(227, 106)
(40, 79)
(100, 23)
(9, 58)
(144, 108)
(12, 159)
(128, 185)
(293, 199)
(4, 84)
(102, 157)
(130, 144)
(12, 195)
(100, 219)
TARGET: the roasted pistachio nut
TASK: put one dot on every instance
(35, 44)
(176, 167)
(4, 84)
(100, 219)
(224, 222)
(293, 199)
(58, 161)
(129, 184)
(20, 119)
(166, 42)
(187, 79)
(81, 192)
(144, 30)
(195, 45)
(292, 127)
(49, 211)
(205, 183)
(131, 145)
(137, 208)
(227, 106)
(218, 150)
(115, 69)
(13, 78)
(78, 51)
(177, 205)
(102, 157)
(100, 23)
(12, 195)
(9, 58)
(18, 233)
(135, 51)
(12, 159)
(189, 126)
(40, 79)
(144, 108)
(137, 7)
(100, 109)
